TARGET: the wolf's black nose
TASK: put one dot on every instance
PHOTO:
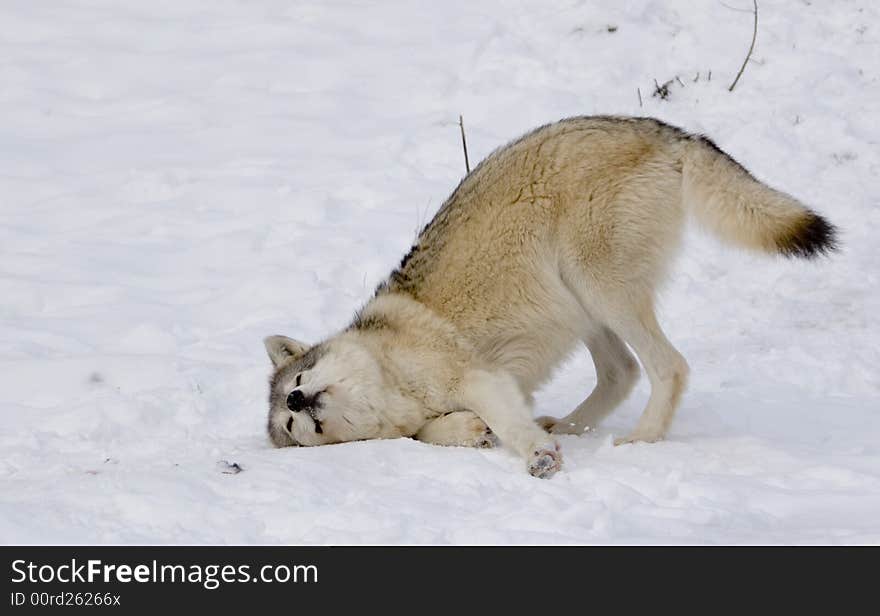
(296, 400)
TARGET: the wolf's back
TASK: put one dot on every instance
(728, 200)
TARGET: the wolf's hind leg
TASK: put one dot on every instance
(616, 374)
(666, 368)
(458, 429)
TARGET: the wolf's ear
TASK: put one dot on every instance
(282, 349)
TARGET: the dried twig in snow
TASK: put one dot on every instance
(751, 48)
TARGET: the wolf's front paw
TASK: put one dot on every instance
(487, 440)
(481, 437)
(545, 461)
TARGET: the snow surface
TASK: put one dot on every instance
(180, 178)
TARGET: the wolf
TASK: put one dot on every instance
(560, 238)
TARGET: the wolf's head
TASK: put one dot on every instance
(328, 393)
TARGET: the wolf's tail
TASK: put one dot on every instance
(725, 198)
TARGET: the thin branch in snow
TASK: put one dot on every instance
(751, 48)
(734, 8)
(639, 92)
(467, 164)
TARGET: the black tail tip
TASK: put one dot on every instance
(812, 237)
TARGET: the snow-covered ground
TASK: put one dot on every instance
(180, 178)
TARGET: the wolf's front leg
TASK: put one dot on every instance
(498, 400)
(458, 429)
